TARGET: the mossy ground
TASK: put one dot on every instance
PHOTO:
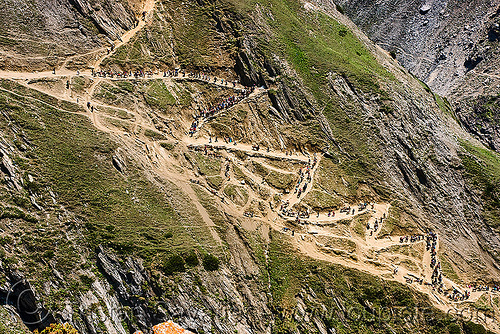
(482, 167)
(126, 212)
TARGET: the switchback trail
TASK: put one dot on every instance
(351, 236)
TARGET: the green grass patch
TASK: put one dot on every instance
(208, 203)
(125, 212)
(154, 135)
(237, 194)
(206, 165)
(215, 181)
(157, 95)
(482, 167)
(359, 224)
(281, 181)
(319, 200)
(168, 146)
(337, 243)
(447, 268)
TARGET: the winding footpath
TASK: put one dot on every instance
(381, 256)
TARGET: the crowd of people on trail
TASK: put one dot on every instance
(411, 238)
(437, 277)
(481, 287)
(217, 108)
(123, 74)
(198, 76)
(227, 169)
(304, 174)
(222, 105)
(208, 150)
(376, 223)
(410, 278)
(430, 246)
(177, 73)
(457, 295)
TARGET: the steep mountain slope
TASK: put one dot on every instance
(129, 199)
(42, 35)
(450, 45)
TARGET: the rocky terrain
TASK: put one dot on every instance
(450, 45)
(42, 35)
(238, 166)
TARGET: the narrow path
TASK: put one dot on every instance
(148, 9)
(372, 253)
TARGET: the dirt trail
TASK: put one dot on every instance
(371, 253)
(148, 9)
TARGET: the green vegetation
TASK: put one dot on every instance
(215, 181)
(168, 146)
(115, 112)
(157, 95)
(483, 304)
(210, 262)
(331, 178)
(285, 165)
(191, 259)
(447, 268)
(281, 181)
(154, 135)
(413, 250)
(487, 108)
(359, 224)
(398, 222)
(320, 201)
(16, 213)
(206, 165)
(237, 194)
(208, 203)
(338, 243)
(316, 44)
(482, 167)
(8, 325)
(240, 176)
(115, 93)
(174, 264)
(125, 213)
(78, 84)
(472, 328)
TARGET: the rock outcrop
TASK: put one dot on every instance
(42, 35)
(451, 45)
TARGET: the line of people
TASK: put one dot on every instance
(124, 74)
(411, 238)
(481, 287)
(176, 73)
(217, 108)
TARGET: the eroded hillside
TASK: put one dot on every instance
(241, 166)
(450, 45)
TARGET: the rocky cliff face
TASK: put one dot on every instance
(41, 35)
(451, 45)
(438, 41)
